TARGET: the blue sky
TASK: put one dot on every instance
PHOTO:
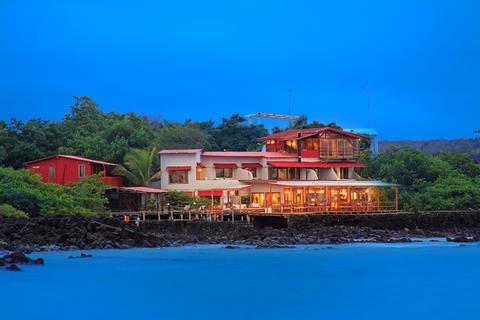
(208, 59)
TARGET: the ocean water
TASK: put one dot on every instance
(362, 281)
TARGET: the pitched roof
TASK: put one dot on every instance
(179, 151)
(293, 134)
(74, 158)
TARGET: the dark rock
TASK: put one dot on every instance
(231, 247)
(39, 261)
(13, 267)
(17, 258)
(460, 239)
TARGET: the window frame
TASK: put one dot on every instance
(172, 173)
(51, 169)
(223, 173)
(80, 166)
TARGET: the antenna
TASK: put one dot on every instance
(290, 106)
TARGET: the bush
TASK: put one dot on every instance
(445, 181)
(25, 191)
(178, 200)
(9, 211)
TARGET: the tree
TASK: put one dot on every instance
(140, 167)
(232, 134)
(26, 192)
(302, 123)
(427, 182)
(462, 162)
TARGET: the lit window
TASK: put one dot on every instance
(178, 176)
(81, 170)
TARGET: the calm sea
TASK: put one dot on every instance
(368, 281)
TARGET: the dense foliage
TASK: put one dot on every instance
(25, 191)
(140, 167)
(89, 132)
(443, 181)
(9, 211)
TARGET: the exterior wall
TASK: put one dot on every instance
(174, 160)
(67, 171)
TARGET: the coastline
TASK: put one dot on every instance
(82, 233)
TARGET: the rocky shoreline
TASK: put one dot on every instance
(81, 233)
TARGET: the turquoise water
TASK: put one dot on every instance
(411, 281)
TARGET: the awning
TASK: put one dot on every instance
(143, 189)
(210, 193)
(178, 168)
(251, 165)
(225, 165)
(293, 164)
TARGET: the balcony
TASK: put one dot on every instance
(114, 181)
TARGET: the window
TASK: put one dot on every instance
(81, 170)
(178, 176)
(225, 173)
(252, 170)
(311, 144)
(284, 173)
(51, 172)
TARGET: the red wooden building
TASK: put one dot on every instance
(65, 169)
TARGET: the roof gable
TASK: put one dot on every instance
(293, 134)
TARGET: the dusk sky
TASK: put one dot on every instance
(205, 60)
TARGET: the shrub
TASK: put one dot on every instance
(25, 191)
(9, 211)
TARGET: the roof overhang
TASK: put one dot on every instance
(295, 164)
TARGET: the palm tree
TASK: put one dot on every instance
(139, 167)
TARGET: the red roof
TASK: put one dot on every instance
(183, 168)
(247, 154)
(251, 165)
(225, 165)
(210, 193)
(74, 158)
(293, 134)
(294, 164)
(143, 189)
(179, 151)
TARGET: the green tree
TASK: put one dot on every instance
(25, 191)
(427, 182)
(234, 135)
(462, 162)
(140, 167)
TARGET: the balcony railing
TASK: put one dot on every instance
(345, 153)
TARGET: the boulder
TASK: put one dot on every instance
(17, 258)
(13, 267)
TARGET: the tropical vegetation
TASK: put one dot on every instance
(444, 181)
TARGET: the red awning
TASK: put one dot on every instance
(287, 164)
(183, 168)
(210, 193)
(225, 165)
(251, 165)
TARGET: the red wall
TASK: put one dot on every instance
(66, 171)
